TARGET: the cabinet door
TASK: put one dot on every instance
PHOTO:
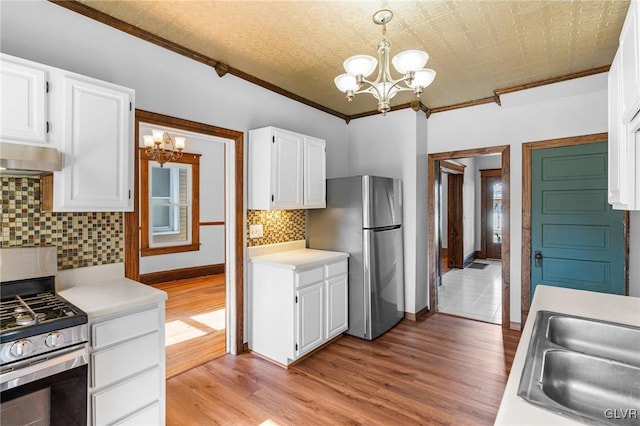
(315, 173)
(96, 136)
(23, 96)
(287, 170)
(309, 318)
(629, 51)
(337, 294)
(617, 166)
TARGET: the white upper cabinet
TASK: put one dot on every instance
(287, 170)
(315, 173)
(23, 101)
(287, 150)
(624, 116)
(629, 51)
(95, 130)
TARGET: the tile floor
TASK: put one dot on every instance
(473, 293)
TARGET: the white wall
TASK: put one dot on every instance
(395, 146)
(575, 107)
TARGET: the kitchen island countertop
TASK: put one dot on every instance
(607, 307)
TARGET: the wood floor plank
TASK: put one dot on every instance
(442, 370)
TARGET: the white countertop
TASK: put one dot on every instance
(111, 296)
(608, 307)
(299, 259)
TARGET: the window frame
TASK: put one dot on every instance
(146, 248)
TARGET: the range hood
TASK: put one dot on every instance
(16, 159)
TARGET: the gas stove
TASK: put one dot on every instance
(35, 322)
(24, 314)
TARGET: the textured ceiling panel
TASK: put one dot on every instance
(476, 46)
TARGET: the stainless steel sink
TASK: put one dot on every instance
(585, 369)
(599, 338)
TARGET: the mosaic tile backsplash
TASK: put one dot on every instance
(83, 239)
(280, 226)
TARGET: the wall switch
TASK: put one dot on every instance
(255, 231)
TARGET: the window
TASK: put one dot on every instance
(169, 210)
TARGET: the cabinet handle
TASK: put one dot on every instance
(47, 127)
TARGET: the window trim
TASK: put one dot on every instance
(145, 248)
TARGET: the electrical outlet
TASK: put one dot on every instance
(255, 231)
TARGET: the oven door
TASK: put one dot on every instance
(50, 390)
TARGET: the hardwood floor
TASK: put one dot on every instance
(195, 322)
(441, 370)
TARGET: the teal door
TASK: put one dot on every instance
(577, 239)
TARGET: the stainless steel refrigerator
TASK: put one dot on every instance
(364, 218)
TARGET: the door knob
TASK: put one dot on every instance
(538, 259)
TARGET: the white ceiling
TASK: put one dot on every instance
(476, 46)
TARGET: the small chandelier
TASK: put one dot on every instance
(161, 147)
(409, 63)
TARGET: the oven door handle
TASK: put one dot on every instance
(44, 366)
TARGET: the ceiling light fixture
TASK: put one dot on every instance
(409, 63)
(163, 148)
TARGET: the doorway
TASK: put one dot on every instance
(576, 166)
(233, 233)
(436, 236)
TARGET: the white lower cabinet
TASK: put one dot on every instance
(127, 368)
(337, 320)
(293, 311)
(309, 304)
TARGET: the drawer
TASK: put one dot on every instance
(119, 329)
(116, 363)
(122, 401)
(337, 268)
(309, 277)
(148, 416)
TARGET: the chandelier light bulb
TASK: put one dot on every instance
(148, 141)
(180, 141)
(423, 78)
(363, 65)
(346, 82)
(157, 135)
(410, 61)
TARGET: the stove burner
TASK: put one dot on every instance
(33, 311)
(26, 319)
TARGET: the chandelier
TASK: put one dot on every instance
(409, 63)
(161, 147)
